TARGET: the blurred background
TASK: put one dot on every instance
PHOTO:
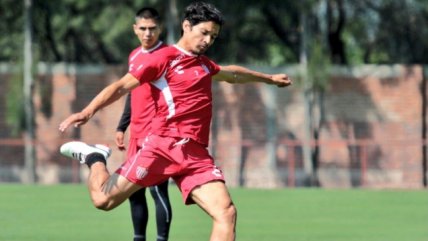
(355, 117)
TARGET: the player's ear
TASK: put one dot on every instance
(135, 28)
(160, 28)
(186, 26)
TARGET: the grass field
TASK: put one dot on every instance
(64, 212)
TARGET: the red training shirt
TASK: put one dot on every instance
(181, 89)
(142, 104)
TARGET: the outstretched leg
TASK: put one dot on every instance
(106, 191)
(163, 210)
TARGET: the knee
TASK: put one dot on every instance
(102, 204)
(232, 212)
(229, 214)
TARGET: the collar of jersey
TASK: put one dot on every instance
(184, 51)
(145, 51)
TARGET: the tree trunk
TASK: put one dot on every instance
(335, 28)
(306, 144)
(29, 133)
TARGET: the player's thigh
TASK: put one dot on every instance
(213, 197)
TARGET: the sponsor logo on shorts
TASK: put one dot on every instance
(141, 172)
(217, 172)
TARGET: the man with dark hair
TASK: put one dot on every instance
(147, 28)
(180, 79)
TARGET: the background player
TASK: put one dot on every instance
(147, 28)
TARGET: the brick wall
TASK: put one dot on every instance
(370, 134)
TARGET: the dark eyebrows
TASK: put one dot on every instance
(149, 28)
(206, 32)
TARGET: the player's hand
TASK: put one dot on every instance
(76, 119)
(119, 140)
(281, 80)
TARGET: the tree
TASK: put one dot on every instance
(258, 32)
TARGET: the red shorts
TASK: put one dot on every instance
(133, 147)
(159, 158)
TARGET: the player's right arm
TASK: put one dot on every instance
(107, 96)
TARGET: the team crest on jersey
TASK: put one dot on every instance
(205, 68)
(141, 172)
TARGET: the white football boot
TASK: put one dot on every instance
(79, 150)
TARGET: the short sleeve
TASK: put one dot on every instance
(212, 66)
(147, 67)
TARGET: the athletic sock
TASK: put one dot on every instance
(139, 238)
(94, 157)
(161, 239)
(163, 210)
(139, 214)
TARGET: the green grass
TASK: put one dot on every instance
(64, 212)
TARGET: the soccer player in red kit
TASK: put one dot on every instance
(180, 78)
(147, 28)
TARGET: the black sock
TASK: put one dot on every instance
(94, 157)
(139, 238)
(139, 214)
(163, 210)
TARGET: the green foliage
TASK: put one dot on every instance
(249, 36)
(15, 103)
(355, 54)
(262, 32)
(318, 68)
(11, 28)
(387, 31)
(85, 31)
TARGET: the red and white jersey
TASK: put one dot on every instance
(142, 104)
(181, 89)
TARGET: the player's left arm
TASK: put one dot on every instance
(238, 74)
